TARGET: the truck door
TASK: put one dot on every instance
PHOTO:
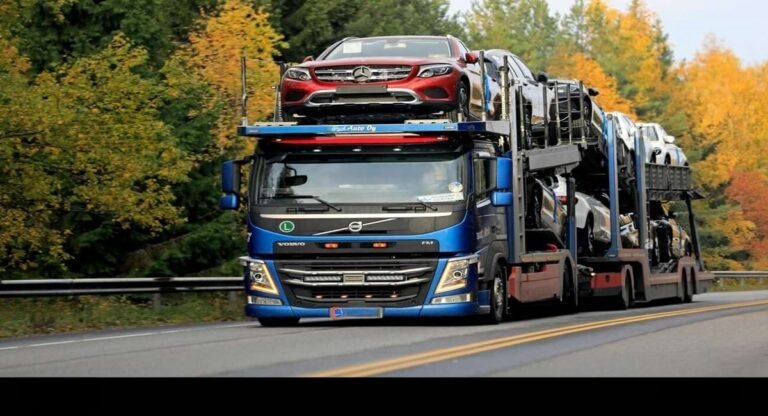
(485, 213)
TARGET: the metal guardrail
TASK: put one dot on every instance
(117, 286)
(742, 276)
(129, 285)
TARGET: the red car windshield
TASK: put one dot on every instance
(391, 48)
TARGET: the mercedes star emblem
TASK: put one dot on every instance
(361, 74)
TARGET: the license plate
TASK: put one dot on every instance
(338, 313)
(361, 89)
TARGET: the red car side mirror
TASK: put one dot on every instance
(308, 58)
(471, 58)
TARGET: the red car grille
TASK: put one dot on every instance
(378, 73)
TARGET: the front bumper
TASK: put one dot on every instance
(419, 94)
(423, 311)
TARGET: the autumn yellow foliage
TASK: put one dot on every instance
(581, 67)
(213, 55)
(86, 140)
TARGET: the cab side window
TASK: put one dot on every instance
(482, 170)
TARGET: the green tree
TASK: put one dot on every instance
(52, 31)
(524, 27)
(86, 159)
(310, 26)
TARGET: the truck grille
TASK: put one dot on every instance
(324, 283)
(379, 73)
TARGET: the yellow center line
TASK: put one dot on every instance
(429, 357)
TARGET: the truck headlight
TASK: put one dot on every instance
(257, 276)
(299, 74)
(455, 274)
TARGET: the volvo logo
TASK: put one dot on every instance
(355, 226)
(361, 74)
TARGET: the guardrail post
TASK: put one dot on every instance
(156, 302)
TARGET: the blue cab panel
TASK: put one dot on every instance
(283, 129)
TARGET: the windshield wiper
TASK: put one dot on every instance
(430, 206)
(318, 199)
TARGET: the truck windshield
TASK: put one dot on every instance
(391, 48)
(432, 179)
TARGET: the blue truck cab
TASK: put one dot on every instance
(372, 221)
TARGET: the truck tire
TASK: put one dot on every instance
(498, 298)
(570, 296)
(625, 299)
(687, 289)
(278, 322)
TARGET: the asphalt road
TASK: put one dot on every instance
(719, 334)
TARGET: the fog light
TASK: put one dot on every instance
(258, 300)
(463, 298)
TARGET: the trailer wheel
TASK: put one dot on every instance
(570, 297)
(687, 295)
(625, 299)
(278, 322)
(498, 298)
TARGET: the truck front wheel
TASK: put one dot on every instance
(498, 299)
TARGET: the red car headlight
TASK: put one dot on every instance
(429, 71)
(299, 74)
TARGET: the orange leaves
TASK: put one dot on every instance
(727, 108)
(726, 105)
(750, 190)
(630, 47)
(214, 56)
(580, 66)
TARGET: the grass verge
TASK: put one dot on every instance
(29, 316)
(738, 285)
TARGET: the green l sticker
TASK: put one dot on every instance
(287, 226)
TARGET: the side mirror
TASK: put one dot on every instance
(593, 92)
(230, 185)
(230, 177)
(471, 58)
(543, 77)
(670, 139)
(308, 59)
(503, 173)
(230, 202)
